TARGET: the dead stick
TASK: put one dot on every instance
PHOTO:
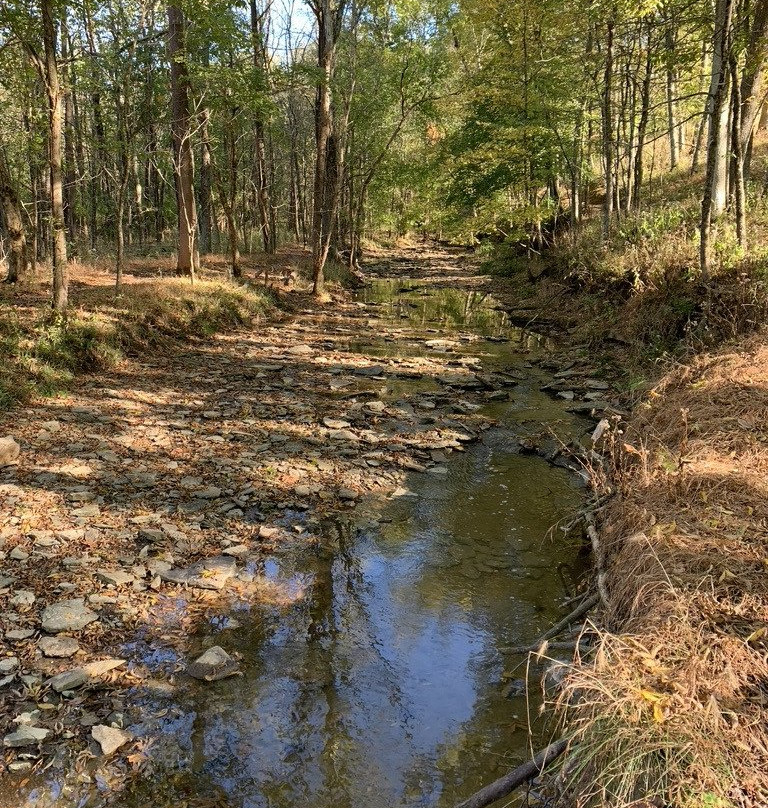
(579, 611)
(522, 774)
(598, 551)
(534, 649)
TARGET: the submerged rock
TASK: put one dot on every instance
(212, 573)
(109, 739)
(214, 664)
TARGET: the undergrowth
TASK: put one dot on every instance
(41, 351)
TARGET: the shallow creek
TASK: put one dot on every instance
(377, 675)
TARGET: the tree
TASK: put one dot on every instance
(183, 155)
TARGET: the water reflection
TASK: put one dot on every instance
(423, 306)
(381, 686)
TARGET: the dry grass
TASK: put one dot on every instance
(673, 704)
(41, 352)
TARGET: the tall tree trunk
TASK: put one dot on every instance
(717, 144)
(70, 175)
(14, 223)
(752, 87)
(642, 126)
(183, 156)
(55, 127)
(326, 190)
(608, 133)
(737, 148)
(261, 170)
(206, 207)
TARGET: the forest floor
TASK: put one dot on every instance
(145, 495)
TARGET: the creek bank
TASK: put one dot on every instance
(150, 497)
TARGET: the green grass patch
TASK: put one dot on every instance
(41, 352)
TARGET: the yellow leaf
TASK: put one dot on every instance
(649, 695)
(658, 714)
(756, 635)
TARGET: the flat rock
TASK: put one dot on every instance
(115, 577)
(68, 680)
(58, 647)
(102, 666)
(9, 451)
(300, 350)
(8, 665)
(18, 634)
(109, 739)
(23, 598)
(212, 573)
(17, 554)
(336, 423)
(26, 736)
(67, 615)
(214, 664)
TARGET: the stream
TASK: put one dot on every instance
(376, 674)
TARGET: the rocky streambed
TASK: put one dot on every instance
(281, 568)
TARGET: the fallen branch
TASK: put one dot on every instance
(541, 648)
(579, 611)
(522, 774)
(599, 553)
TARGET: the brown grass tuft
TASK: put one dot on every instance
(673, 704)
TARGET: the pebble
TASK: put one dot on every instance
(213, 665)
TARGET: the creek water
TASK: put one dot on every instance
(377, 676)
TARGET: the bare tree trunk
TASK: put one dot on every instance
(717, 145)
(608, 133)
(326, 191)
(70, 176)
(55, 126)
(642, 126)
(752, 86)
(11, 207)
(183, 156)
(261, 170)
(205, 183)
(737, 148)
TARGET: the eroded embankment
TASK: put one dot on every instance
(670, 705)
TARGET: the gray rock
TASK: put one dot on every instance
(115, 577)
(17, 554)
(26, 736)
(68, 680)
(20, 766)
(8, 665)
(300, 350)
(212, 573)
(109, 739)
(67, 615)
(336, 423)
(19, 634)
(209, 493)
(9, 451)
(23, 598)
(58, 647)
(214, 664)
